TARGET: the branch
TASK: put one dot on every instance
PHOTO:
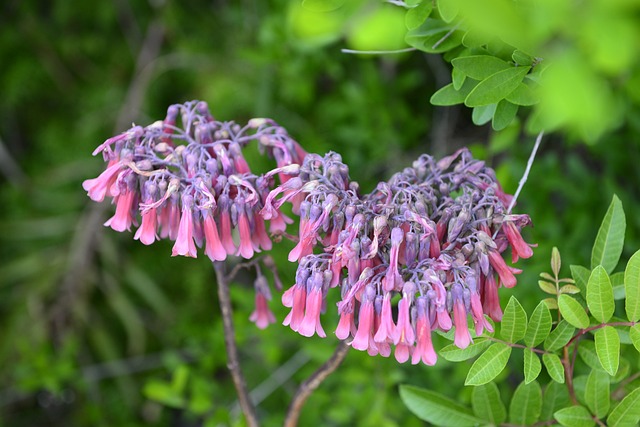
(233, 362)
(312, 383)
(525, 176)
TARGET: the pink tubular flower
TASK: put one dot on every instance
(404, 336)
(146, 233)
(213, 246)
(225, 224)
(184, 244)
(311, 321)
(262, 316)
(123, 217)
(504, 272)
(245, 248)
(424, 347)
(490, 298)
(346, 325)
(296, 298)
(387, 328)
(364, 339)
(462, 337)
(97, 187)
(519, 248)
(393, 280)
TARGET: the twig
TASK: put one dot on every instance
(233, 362)
(313, 382)
(525, 176)
(446, 36)
(377, 52)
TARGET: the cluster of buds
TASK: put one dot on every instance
(431, 238)
(189, 182)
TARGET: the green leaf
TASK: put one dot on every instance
(608, 348)
(496, 87)
(547, 287)
(179, 379)
(556, 261)
(632, 287)
(522, 58)
(505, 112)
(559, 337)
(554, 367)
(479, 67)
(454, 354)
(617, 281)
(434, 36)
(627, 412)
(448, 9)
(574, 416)
(587, 352)
(600, 295)
(523, 95)
(596, 394)
(634, 334)
(555, 397)
(481, 115)
(539, 325)
(532, 366)
(448, 95)
(608, 245)
(458, 79)
(573, 312)
(164, 393)
(551, 303)
(436, 408)
(489, 364)
(487, 404)
(581, 276)
(514, 321)
(417, 15)
(526, 404)
(322, 5)
(570, 289)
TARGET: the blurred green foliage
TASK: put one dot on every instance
(98, 330)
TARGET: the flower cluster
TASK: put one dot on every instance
(431, 237)
(191, 184)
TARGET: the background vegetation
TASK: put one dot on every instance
(99, 330)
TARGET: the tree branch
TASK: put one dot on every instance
(233, 362)
(313, 382)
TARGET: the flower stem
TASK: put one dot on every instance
(313, 382)
(233, 362)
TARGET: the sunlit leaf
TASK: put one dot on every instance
(634, 334)
(627, 412)
(608, 348)
(559, 336)
(600, 295)
(574, 416)
(448, 95)
(489, 364)
(581, 276)
(436, 408)
(573, 312)
(523, 95)
(322, 5)
(448, 9)
(539, 325)
(547, 287)
(608, 245)
(588, 354)
(632, 287)
(554, 367)
(532, 366)
(514, 321)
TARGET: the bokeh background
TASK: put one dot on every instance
(97, 329)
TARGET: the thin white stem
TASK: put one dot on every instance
(525, 176)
